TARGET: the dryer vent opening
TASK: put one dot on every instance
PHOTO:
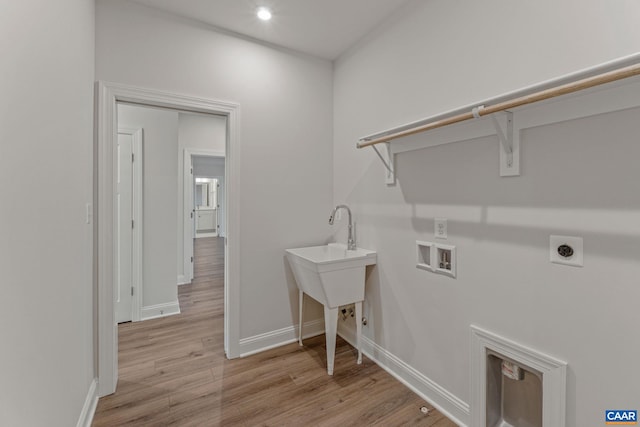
(514, 393)
(514, 385)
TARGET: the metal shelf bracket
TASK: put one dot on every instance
(509, 140)
(388, 160)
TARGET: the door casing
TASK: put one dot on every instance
(108, 95)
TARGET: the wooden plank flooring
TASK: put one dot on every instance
(173, 372)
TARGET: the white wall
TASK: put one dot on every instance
(208, 166)
(578, 178)
(286, 118)
(202, 131)
(199, 132)
(46, 118)
(160, 196)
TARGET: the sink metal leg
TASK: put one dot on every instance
(331, 328)
(300, 311)
(359, 330)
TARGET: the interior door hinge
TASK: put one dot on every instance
(192, 214)
(132, 157)
(191, 259)
(131, 223)
(132, 291)
(191, 171)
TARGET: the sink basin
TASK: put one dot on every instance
(333, 276)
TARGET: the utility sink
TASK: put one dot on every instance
(331, 274)
(334, 276)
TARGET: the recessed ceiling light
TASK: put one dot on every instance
(264, 13)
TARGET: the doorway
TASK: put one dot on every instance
(206, 165)
(109, 95)
(206, 207)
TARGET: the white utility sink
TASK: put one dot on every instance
(333, 276)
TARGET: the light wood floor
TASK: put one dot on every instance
(173, 372)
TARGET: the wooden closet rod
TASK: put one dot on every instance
(586, 83)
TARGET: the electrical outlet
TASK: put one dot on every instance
(440, 228)
(567, 250)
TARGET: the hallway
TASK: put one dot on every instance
(173, 371)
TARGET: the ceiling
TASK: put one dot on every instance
(323, 28)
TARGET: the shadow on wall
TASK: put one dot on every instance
(577, 178)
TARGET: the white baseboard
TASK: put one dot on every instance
(444, 401)
(280, 337)
(160, 310)
(206, 234)
(448, 404)
(182, 280)
(89, 407)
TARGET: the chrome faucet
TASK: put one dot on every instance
(351, 241)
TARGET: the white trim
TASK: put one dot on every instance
(89, 407)
(188, 217)
(221, 205)
(182, 280)
(280, 337)
(137, 136)
(108, 95)
(444, 401)
(211, 234)
(204, 152)
(160, 310)
(554, 374)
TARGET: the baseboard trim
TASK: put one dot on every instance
(280, 337)
(182, 280)
(160, 310)
(448, 404)
(206, 233)
(90, 404)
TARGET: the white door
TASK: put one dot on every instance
(189, 229)
(124, 234)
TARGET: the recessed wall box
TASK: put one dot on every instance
(424, 254)
(445, 262)
(436, 257)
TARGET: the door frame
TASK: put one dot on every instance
(108, 95)
(188, 227)
(224, 193)
(137, 135)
